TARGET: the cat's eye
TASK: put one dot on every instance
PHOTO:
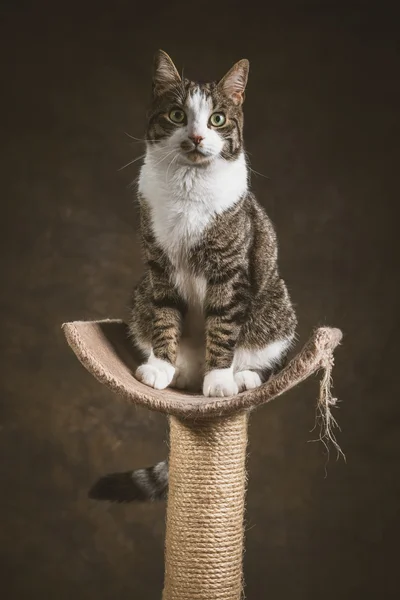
(218, 119)
(177, 116)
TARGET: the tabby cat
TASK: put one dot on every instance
(211, 312)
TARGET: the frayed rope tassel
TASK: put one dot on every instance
(324, 418)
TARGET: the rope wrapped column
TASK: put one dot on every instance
(207, 481)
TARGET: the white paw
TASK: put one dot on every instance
(220, 383)
(156, 373)
(247, 380)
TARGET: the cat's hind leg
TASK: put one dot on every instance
(253, 366)
(247, 379)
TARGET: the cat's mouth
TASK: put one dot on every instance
(197, 156)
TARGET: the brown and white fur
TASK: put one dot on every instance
(211, 312)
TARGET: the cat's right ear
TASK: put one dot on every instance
(165, 74)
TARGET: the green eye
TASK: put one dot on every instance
(218, 119)
(177, 115)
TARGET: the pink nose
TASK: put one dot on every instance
(196, 139)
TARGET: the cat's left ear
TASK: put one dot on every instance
(165, 74)
(234, 83)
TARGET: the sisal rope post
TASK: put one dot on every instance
(205, 512)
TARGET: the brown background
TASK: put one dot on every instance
(322, 122)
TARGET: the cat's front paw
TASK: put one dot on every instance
(156, 373)
(220, 383)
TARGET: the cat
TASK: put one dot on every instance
(211, 313)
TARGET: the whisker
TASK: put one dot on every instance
(169, 166)
(131, 162)
(139, 142)
(257, 173)
(247, 153)
(141, 139)
(133, 137)
(164, 157)
(133, 183)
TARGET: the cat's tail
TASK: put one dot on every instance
(142, 485)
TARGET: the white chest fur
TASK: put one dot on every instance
(184, 199)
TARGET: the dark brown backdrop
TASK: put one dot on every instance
(322, 122)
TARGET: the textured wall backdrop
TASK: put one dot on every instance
(322, 122)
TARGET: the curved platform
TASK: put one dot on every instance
(104, 348)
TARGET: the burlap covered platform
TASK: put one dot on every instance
(104, 348)
(208, 439)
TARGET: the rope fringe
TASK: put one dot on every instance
(324, 418)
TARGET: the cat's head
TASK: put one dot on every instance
(196, 122)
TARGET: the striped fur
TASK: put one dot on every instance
(211, 312)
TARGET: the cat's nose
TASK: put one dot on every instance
(196, 139)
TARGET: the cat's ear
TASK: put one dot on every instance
(165, 74)
(233, 84)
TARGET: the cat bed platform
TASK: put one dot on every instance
(104, 348)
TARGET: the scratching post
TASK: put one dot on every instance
(208, 440)
(204, 536)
